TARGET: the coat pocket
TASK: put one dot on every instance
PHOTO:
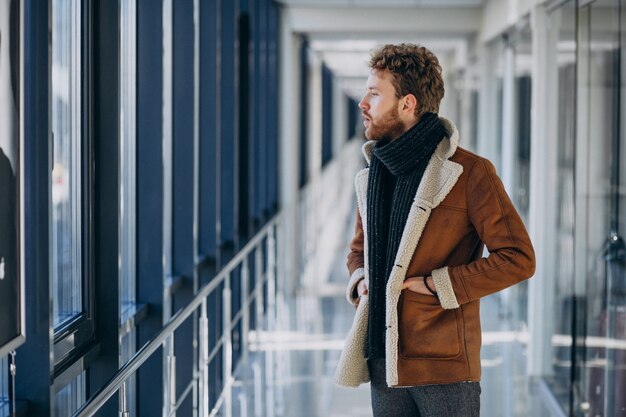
(427, 331)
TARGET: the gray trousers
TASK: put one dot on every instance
(460, 399)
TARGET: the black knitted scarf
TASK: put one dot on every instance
(395, 172)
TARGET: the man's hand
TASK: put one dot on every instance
(416, 284)
(361, 288)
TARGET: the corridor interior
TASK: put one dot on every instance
(177, 198)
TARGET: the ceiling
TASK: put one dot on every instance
(344, 32)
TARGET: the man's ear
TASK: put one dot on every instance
(409, 103)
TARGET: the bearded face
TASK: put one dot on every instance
(380, 108)
(387, 126)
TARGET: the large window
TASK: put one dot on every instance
(71, 262)
(68, 193)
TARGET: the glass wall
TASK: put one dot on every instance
(602, 380)
(586, 374)
(564, 115)
(584, 370)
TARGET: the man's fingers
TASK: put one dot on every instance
(362, 287)
(409, 282)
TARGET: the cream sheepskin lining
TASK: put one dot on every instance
(443, 286)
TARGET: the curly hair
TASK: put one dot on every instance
(415, 70)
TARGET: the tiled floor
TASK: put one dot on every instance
(304, 364)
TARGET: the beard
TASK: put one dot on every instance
(388, 127)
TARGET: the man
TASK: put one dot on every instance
(425, 210)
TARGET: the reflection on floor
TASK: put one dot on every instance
(304, 360)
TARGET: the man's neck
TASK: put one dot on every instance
(407, 126)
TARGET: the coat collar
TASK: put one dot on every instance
(440, 176)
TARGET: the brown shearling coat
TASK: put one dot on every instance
(460, 207)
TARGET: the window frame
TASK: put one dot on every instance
(73, 338)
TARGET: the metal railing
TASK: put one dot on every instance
(264, 274)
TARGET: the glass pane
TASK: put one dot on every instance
(9, 170)
(128, 78)
(4, 386)
(604, 371)
(66, 228)
(523, 84)
(520, 158)
(559, 380)
(71, 397)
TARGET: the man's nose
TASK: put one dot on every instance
(363, 104)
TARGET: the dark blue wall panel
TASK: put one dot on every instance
(183, 256)
(183, 130)
(209, 128)
(273, 113)
(244, 156)
(150, 197)
(228, 141)
(264, 107)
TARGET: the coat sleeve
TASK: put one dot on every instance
(356, 260)
(511, 255)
